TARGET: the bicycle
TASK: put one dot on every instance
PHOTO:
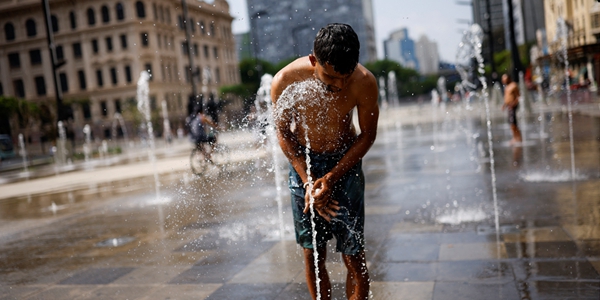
(202, 157)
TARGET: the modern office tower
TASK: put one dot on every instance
(401, 48)
(105, 45)
(427, 56)
(284, 29)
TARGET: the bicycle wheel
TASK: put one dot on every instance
(198, 162)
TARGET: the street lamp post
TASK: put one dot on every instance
(194, 102)
(55, 65)
(517, 65)
(295, 41)
(254, 29)
(490, 34)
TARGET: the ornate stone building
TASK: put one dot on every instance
(104, 46)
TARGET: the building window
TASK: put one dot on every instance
(161, 14)
(124, 41)
(140, 9)
(14, 61)
(19, 88)
(35, 57)
(40, 85)
(54, 21)
(9, 32)
(192, 25)
(159, 40)
(113, 76)
(99, 79)
(109, 45)
(82, 82)
(128, 74)
(118, 106)
(73, 20)
(30, 27)
(202, 28)
(105, 14)
(64, 83)
(168, 15)
(91, 17)
(206, 54)
(188, 72)
(144, 37)
(149, 70)
(196, 50)
(60, 55)
(77, 50)
(103, 108)
(212, 29)
(95, 46)
(154, 11)
(217, 75)
(184, 48)
(87, 112)
(181, 24)
(216, 52)
(120, 11)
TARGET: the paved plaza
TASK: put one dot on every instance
(441, 223)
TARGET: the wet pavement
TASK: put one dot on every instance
(437, 225)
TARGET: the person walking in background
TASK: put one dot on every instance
(318, 121)
(511, 103)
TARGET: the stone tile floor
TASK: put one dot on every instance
(430, 226)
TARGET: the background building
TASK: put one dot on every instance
(287, 28)
(583, 37)
(427, 56)
(105, 45)
(528, 19)
(401, 48)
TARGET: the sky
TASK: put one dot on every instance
(441, 21)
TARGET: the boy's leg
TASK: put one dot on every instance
(357, 280)
(309, 266)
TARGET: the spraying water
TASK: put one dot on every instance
(264, 95)
(469, 47)
(392, 88)
(23, 153)
(143, 104)
(300, 97)
(118, 119)
(563, 35)
(88, 140)
(62, 148)
(166, 125)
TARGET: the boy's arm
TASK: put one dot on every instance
(287, 139)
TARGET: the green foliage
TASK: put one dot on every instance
(503, 59)
(24, 112)
(408, 81)
(249, 70)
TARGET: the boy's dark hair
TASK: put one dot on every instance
(337, 44)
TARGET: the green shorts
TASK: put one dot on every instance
(349, 191)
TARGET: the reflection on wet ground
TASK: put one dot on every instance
(430, 224)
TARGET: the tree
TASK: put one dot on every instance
(409, 82)
(19, 111)
(250, 79)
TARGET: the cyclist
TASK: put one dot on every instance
(202, 135)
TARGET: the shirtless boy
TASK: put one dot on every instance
(511, 102)
(322, 122)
